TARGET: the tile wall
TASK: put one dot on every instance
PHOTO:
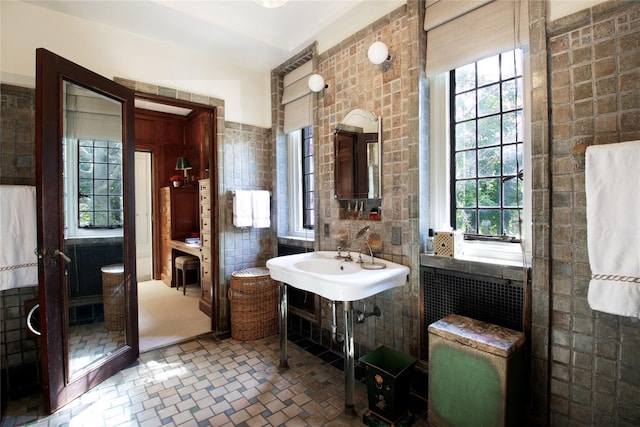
(18, 135)
(247, 166)
(595, 99)
(393, 94)
(19, 351)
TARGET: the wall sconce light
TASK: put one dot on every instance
(378, 53)
(184, 165)
(316, 83)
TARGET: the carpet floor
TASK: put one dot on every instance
(167, 317)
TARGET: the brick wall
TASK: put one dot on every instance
(595, 99)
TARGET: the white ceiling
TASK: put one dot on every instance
(237, 31)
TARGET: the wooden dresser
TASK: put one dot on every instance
(205, 239)
(178, 220)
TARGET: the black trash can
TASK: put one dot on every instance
(388, 381)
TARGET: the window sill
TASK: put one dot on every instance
(495, 253)
(481, 266)
(306, 242)
(505, 260)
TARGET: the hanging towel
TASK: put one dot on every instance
(18, 229)
(242, 209)
(613, 227)
(261, 209)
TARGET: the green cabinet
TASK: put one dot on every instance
(476, 374)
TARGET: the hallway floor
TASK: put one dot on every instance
(207, 382)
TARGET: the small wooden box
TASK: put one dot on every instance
(447, 243)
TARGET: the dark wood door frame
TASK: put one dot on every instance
(213, 176)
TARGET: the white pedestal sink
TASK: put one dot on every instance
(337, 280)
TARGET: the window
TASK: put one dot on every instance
(100, 203)
(93, 176)
(487, 143)
(301, 182)
(308, 188)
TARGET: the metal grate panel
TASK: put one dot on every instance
(492, 300)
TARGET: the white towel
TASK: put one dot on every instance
(18, 229)
(261, 201)
(613, 227)
(242, 209)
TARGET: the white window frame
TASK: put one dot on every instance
(294, 177)
(440, 167)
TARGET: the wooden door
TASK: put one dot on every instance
(69, 99)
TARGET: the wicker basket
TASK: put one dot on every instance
(253, 297)
(113, 296)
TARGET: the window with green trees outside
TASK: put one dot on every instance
(487, 132)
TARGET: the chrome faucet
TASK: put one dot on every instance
(346, 257)
(359, 235)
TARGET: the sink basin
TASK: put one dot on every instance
(335, 279)
(326, 266)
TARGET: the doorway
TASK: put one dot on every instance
(165, 132)
(144, 234)
(165, 316)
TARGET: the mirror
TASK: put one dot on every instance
(358, 151)
(93, 183)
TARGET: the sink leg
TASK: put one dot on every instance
(284, 365)
(349, 365)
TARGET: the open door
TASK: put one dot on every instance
(86, 235)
